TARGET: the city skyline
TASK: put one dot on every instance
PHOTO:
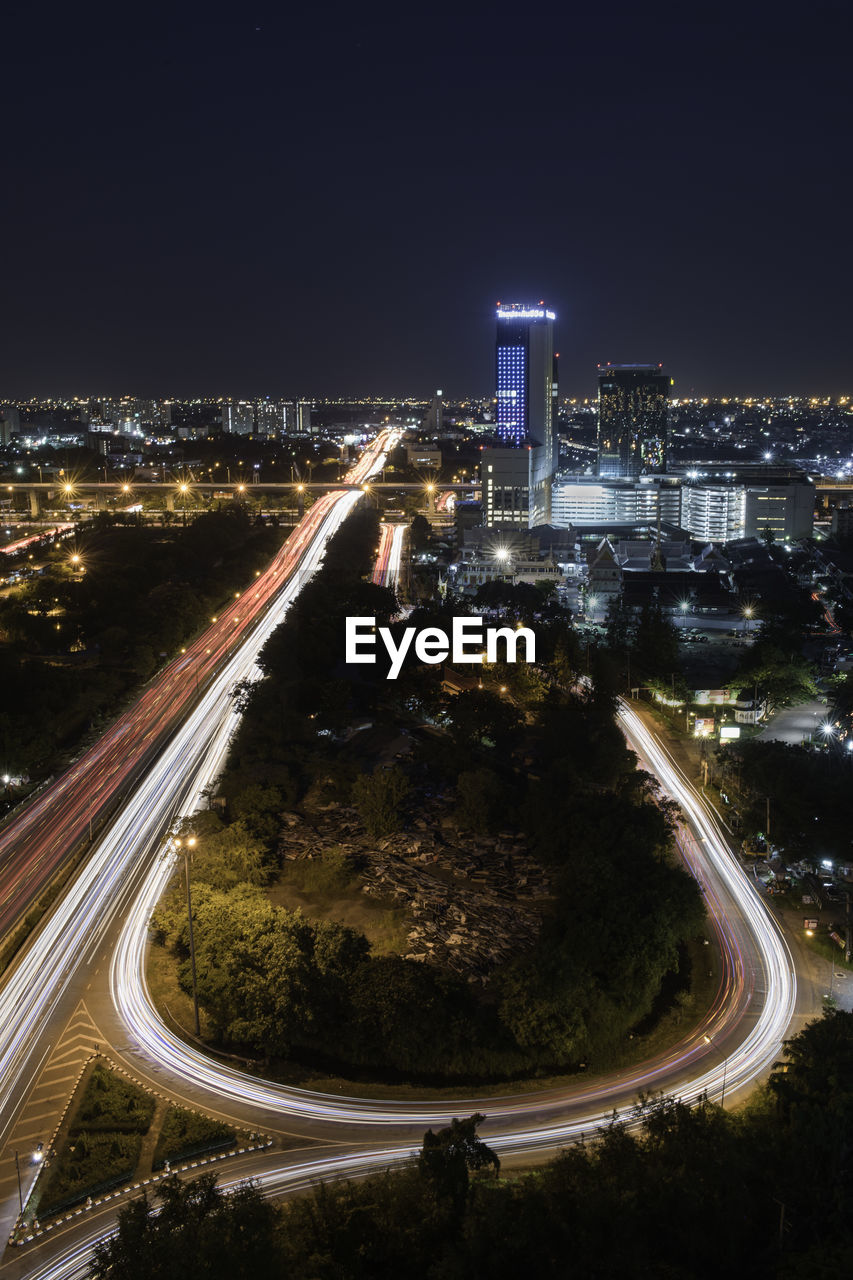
(265, 204)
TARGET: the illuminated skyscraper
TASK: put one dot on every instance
(517, 488)
(632, 419)
(524, 363)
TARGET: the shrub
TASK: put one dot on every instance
(185, 1133)
(111, 1104)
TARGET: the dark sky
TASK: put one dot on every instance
(246, 199)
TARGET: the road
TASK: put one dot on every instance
(94, 943)
(37, 841)
(389, 558)
(178, 729)
(319, 1135)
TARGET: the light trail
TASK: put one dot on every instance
(389, 558)
(71, 932)
(36, 842)
(12, 548)
(753, 949)
(746, 1024)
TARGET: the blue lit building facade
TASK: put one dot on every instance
(517, 475)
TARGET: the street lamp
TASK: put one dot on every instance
(38, 1156)
(709, 1040)
(185, 847)
(183, 490)
(20, 1190)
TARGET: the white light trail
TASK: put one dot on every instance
(759, 991)
(71, 932)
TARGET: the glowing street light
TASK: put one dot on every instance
(710, 1041)
(185, 846)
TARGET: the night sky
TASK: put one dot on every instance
(244, 200)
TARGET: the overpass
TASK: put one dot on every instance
(40, 494)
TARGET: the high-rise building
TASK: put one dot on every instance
(238, 418)
(632, 419)
(517, 488)
(433, 420)
(303, 417)
(10, 423)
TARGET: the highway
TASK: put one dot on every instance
(746, 1023)
(97, 936)
(389, 558)
(180, 725)
(37, 841)
(744, 1027)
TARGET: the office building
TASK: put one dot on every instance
(270, 418)
(435, 414)
(714, 512)
(238, 419)
(10, 423)
(517, 475)
(779, 511)
(578, 500)
(633, 401)
(303, 417)
(711, 511)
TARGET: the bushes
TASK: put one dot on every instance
(185, 1134)
(103, 1143)
(330, 874)
(91, 1163)
(105, 1139)
(688, 1194)
(112, 1104)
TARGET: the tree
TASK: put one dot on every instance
(617, 624)
(480, 799)
(655, 643)
(783, 674)
(817, 1069)
(478, 715)
(378, 797)
(448, 1157)
(197, 1230)
(420, 533)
